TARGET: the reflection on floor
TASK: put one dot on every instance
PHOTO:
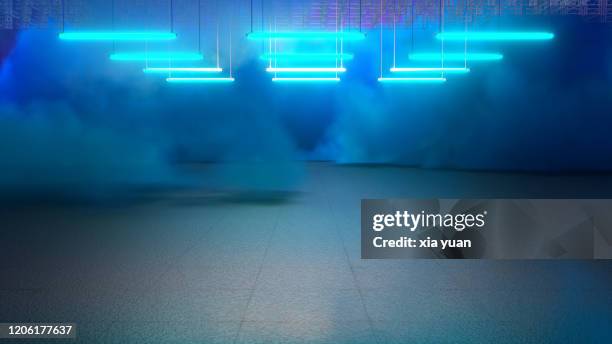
(284, 267)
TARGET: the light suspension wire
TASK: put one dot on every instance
(337, 18)
(465, 41)
(172, 15)
(360, 14)
(113, 23)
(231, 15)
(412, 27)
(200, 25)
(381, 38)
(217, 38)
(349, 15)
(342, 39)
(442, 40)
(394, 35)
(251, 13)
(63, 16)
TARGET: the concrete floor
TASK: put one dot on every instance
(284, 267)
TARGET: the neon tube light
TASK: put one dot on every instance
(305, 79)
(199, 80)
(456, 56)
(416, 80)
(496, 36)
(306, 70)
(182, 70)
(306, 57)
(307, 35)
(117, 36)
(156, 56)
(432, 69)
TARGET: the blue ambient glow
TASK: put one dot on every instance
(117, 36)
(456, 56)
(156, 56)
(313, 57)
(199, 80)
(495, 36)
(415, 80)
(310, 35)
(306, 70)
(305, 79)
(432, 69)
(182, 70)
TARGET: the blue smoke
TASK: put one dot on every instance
(544, 108)
(68, 116)
(71, 120)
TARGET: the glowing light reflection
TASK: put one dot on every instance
(456, 56)
(496, 36)
(117, 36)
(313, 57)
(431, 69)
(306, 70)
(413, 80)
(182, 70)
(199, 80)
(306, 79)
(157, 56)
(307, 35)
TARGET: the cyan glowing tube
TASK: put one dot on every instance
(310, 57)
(199, 80)
(305, 79)
(456, 56)
(182, 70)
(308, 35)
(117, 36)
(156, 56)
(496, 36)
(413, 80)
(306, 70)
(431, 69)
